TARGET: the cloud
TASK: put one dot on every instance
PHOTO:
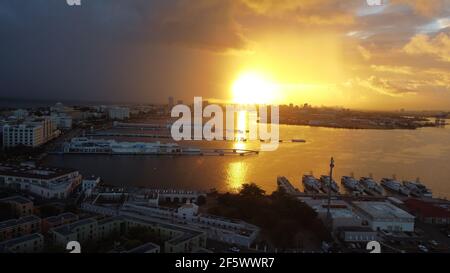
(426, 8)
(437, 46)
(306, 12)
(388, 87)
(364, 52)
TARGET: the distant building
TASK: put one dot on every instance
(62, 121)
(45, 182)
(22, 134)
(32, 243)
(20, 114)
(21, 205)
(119, 113)
(32, 132)
(171, 103)
(430, 212)
(384, 216)
(49, 127)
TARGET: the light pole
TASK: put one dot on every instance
(329, 192)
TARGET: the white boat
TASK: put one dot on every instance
(352, 184)
(370, 186)
(418, 189)
(325, 184)
(311, 183)
(395, 186)
(283, 183)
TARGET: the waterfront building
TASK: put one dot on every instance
(45, 182)
(357, 234)
(22, 206)
(17, 227)
(342, 214)
(384, 216)
(118, 113)
(31, 243)
(431, 212)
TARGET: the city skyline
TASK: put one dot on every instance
(329, 53)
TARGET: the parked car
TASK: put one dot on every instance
(423, 248)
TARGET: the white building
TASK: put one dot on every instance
(49, 127)
(88, 184)
(384, 216)
(119, 113)
(62, 121)
(342, 214)
(32, 133)
(23, 134)
(45, 182)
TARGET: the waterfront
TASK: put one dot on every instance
(408, 154)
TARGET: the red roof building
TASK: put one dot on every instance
(430, 212)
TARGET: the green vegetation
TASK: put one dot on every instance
(281, 217)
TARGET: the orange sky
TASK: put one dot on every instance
(345, 53)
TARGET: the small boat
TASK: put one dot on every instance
(298, 140)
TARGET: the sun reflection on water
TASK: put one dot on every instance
(237, 175)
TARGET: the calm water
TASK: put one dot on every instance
(408, 154)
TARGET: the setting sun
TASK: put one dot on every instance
(254, 88)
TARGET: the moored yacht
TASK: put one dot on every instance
(325, 184)
(370, 186)
(352, 184)
(311, 183)
(418, 189)
(395, 186)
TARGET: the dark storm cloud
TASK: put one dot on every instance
(49, 49)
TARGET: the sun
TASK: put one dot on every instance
(254, 88)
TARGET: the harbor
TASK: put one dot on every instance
(366, 188)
